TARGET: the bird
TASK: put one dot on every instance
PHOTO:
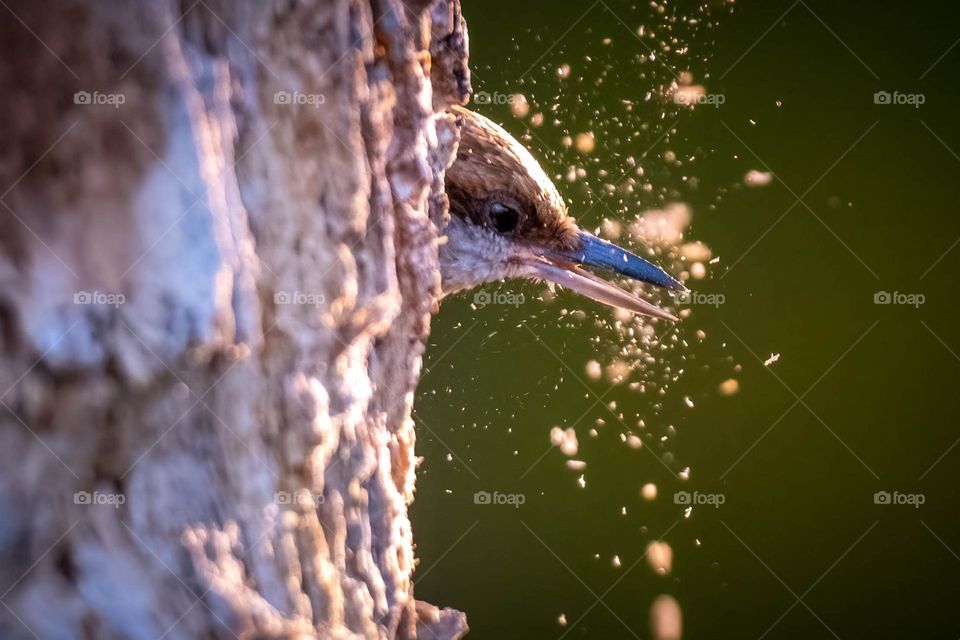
(508, 220)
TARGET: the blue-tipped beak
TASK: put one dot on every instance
(564, 269)
(594, 252)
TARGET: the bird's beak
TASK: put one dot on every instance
(564, 268)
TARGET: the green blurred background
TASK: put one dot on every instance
(799, 548)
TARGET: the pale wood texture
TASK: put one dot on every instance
(213, 302)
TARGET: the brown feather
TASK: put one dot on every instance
(492, 167)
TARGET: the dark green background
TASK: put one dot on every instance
(799, 519)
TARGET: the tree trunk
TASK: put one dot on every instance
(218, 260)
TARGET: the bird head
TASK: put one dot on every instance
(508, 221)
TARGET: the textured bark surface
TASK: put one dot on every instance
(218, 260)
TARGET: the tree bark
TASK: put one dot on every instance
(218, 261)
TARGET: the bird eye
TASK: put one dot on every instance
(504, 218)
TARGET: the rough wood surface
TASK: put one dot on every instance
(218, 260)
